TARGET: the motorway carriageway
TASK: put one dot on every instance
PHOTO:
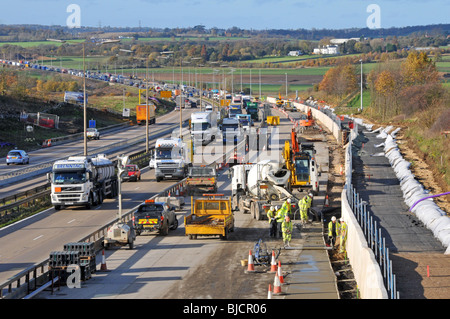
(30, 241)
(162, 266)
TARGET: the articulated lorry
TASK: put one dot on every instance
(203, 127)
(232, 131)
(82, 181)
(172, 159)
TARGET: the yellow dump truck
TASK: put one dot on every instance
(210, 215)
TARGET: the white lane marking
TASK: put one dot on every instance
(137, 188)
(38, 237)
(71, 221)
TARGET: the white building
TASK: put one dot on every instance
(295, 53)
(329, 49)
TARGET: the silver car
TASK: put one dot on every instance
(17, 157)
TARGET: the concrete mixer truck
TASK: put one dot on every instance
(256, 187)
(82, 181)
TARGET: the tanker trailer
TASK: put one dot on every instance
(82, 181)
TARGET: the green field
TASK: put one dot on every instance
(38, 43)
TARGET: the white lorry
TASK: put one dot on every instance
(203, 127)
(82, 181)
(232, 131)
(172, 159)
(256, 187)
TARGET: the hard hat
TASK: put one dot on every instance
(333, 218)
(342, 219)
(310, 195)
(276, 207)
(289, 200)
(272, 208)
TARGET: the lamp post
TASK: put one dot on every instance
(361, 85)
(286, 86)
(84, 104)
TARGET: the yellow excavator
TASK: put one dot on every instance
(303, 167)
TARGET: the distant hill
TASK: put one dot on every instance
(32, 32)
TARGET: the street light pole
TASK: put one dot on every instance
(361, 85)
(286, 86)
(146, 106)
(84, 104)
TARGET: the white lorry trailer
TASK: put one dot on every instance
(82, 181)
(256, 187)
(203, 127)
(172, 159)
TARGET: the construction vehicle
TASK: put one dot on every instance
(201, 179)
(172, 158)
(82, 181)
(301, 164)
(141, 114)
(210, 215)
(256, 187)
(306, 120)
(279, 102)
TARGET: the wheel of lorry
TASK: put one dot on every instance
(175, 224)
(90, 202)
(224, 237)
(258, 208)
(57, 207)
(253, 209)
(241, 206)
(131, 244)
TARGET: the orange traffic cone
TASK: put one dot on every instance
(327, 202)
(280, 273)
(276, 285)
(341, 170)
(251, 266)
(269, 294)
(103, 265)
(273, 264)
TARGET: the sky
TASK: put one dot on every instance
(244, 14)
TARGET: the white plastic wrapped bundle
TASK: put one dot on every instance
(384, 133)
(394, 133)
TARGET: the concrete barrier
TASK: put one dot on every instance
(364, 265)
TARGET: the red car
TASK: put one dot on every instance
(133, 173)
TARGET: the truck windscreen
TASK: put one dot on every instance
(168, 153)
(69, 177)
(229, 127)
(200, 126)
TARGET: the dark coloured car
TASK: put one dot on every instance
(155, 217)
